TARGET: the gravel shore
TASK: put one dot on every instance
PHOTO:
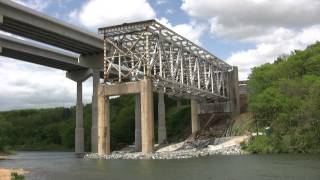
(181, 150)
(5, 174)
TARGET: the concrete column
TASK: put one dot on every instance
(79, 131)
(103, 122)
(79, 76)
(178, 104)
(94, 134)
(195, 125)
(137, 135)
(162, 132)
(147, 115)
(107, 125)
(234, 92)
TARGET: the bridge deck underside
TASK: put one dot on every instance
(25, 22)
(27, 57)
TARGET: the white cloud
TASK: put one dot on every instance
(245, 18)
(99, 13)
(192, 31)
(39, 5)
(273, 27)
(25, 85)
(270, 46)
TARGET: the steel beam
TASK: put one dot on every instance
(175, 64)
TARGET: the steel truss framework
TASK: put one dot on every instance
(177, 66)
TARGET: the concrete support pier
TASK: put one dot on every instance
(94, 125)
(195, 124)
(147, 115)
(234, 92)
(79, 131)
(79, 76)
(137, 133)
(145, 88)
(162, 132)
(178, 104)
(103, 122)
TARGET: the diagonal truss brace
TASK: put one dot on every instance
(176, 65)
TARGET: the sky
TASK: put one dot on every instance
(244, 33)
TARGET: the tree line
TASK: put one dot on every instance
(285, 97)
(53, 128)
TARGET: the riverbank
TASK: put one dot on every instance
(5, 174)
(183, 150)
(3, 157)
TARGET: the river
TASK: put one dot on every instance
(64, 165)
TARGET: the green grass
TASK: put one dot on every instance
(16, 176)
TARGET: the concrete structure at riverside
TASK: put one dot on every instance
(133, 58)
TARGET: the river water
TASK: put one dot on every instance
(64, 165)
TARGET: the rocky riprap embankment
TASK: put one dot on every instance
(184, 150)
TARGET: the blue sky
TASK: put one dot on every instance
(245, 33)
(169, 9)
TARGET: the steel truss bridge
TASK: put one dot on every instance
(176, 65)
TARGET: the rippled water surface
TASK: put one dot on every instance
(61, 165)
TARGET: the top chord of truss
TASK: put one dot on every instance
(155, 27)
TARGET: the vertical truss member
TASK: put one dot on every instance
(176, 65)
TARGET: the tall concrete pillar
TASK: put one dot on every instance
(178, 104)
(79, 131)
(79, 76)
(234, 92)
(94, 135)
(147, 115)
(103, 122)
(195, 124)
(137, 134)
(162, 132)
(107, 126)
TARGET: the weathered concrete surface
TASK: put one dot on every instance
(122, 88)
(234, 92)
(137, 133)
(79, 131)
(94, 125)
(79, 76)
(107, 126)
(147, 115)
(103, 122)
(162, 131)
(195, 125)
